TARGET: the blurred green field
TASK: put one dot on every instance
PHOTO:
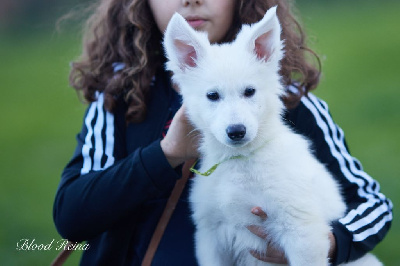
(359, 45)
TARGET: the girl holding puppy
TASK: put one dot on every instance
(135, 136)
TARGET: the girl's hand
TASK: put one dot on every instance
(181, 140)
(274, 255)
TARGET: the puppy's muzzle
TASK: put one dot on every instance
(236, 132)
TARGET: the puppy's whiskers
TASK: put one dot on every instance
(195, 132)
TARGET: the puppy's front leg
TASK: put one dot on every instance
(209, 249)
(307, 245)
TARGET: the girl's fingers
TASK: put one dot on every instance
(272, 254)
(258, 231)
(259, 212)
(179, 145)
(271, 258)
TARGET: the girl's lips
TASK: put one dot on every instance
(195, 23)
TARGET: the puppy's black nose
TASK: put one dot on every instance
(236, 132)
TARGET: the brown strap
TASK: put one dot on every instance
(165, 217)
(63, 255)
(162, 223)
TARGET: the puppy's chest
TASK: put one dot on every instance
(234, 191)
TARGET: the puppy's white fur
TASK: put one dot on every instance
(278, 171)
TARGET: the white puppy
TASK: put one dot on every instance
(232, 94)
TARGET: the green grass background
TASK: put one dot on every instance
(359, 44)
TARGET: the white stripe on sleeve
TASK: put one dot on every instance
(104, 123)
(373, 230)
(87, 161)
(98, 139)
(353, 220)
(109, 140)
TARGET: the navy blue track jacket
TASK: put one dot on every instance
(115, 187)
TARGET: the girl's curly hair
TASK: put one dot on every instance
(125, 31)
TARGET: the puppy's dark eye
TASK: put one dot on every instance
(213, 96)
(249, 91)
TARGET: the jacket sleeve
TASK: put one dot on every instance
(369, 212)
(99, 187)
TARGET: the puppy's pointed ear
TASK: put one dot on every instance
(266, 42)
(183, 45)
